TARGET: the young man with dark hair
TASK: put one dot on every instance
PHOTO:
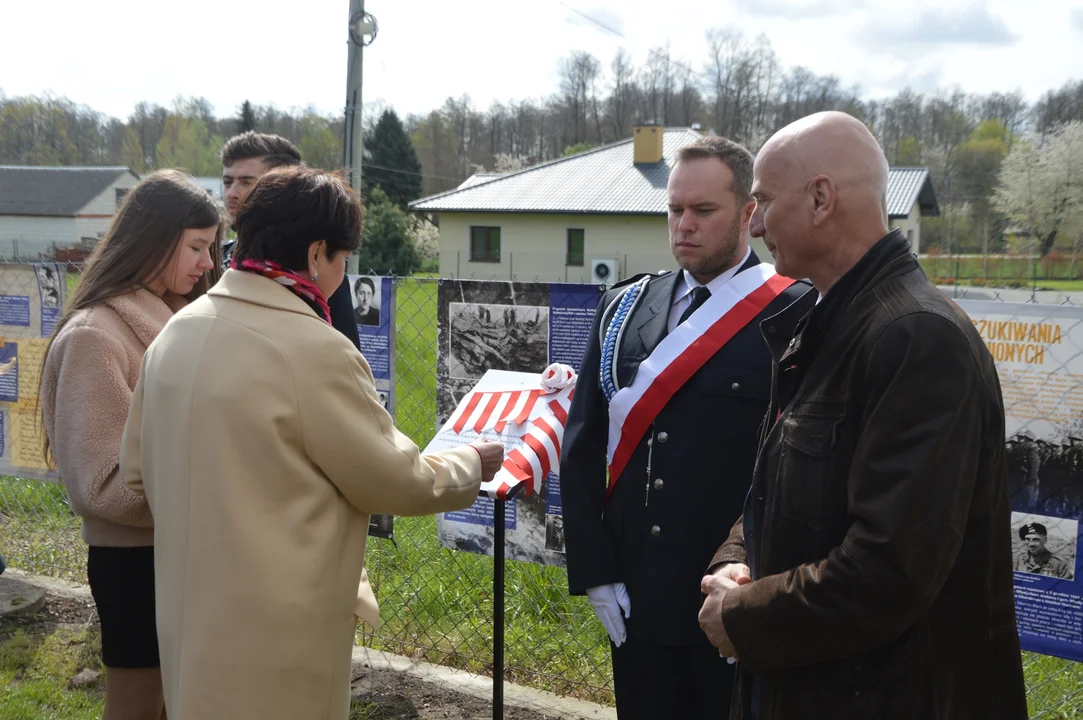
(245, 159)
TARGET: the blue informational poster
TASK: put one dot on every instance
(521, 327)
(374, 309)
(1040, 366)
(373, 300)
(15, 310)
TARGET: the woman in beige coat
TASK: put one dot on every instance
(161, 251)
(258, 438)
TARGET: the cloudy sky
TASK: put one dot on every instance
(110, 54)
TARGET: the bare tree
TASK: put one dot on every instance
(622, 95)
(578, 74)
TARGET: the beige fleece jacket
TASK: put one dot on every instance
(87, 382)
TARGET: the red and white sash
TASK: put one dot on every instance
(681, 354)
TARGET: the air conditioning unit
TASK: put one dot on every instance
(604, 272)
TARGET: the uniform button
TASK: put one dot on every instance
(658, 484)
(770, 329)
(663, 436)
(650, 441)
(656, 531)
(735, 387)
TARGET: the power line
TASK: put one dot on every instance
(624, 37)
(408, 172)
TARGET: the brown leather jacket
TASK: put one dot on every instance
(878, 527)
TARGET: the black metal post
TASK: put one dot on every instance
(498, 609)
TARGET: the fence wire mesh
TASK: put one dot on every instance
(437, 603)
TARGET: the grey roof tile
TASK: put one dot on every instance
(907, 185)
(602, 180)
(606, 181)
(52, 191)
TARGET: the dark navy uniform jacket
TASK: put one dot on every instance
(661, 526)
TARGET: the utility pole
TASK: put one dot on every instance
(362, 31)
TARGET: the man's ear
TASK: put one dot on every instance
(823, 192)
(746, 213)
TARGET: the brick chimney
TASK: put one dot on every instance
(647, 144)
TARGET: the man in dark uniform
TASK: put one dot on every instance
(637, 546)
(245, 159)
(1036, 559)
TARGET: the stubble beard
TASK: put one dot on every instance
(714, 265)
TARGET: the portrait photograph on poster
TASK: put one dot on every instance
(1044, 545)
(365, 293)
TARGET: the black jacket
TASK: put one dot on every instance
(878, 525)
(704, 443)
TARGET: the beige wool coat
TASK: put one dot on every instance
(86, 389)
(257, 436)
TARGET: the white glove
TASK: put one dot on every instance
(609, 601)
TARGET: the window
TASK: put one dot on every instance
(484, 244)
(121, 192)
(575, 246)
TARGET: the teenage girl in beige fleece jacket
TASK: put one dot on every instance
(160, 252)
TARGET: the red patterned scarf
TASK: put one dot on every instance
(300, 286)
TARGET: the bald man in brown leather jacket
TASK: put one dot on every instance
(870, 576)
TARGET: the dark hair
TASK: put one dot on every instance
(738, 159)
(274, 150)
(289, 209)
(140, 243)
(364, 281)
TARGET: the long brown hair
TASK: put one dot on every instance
(139, 244)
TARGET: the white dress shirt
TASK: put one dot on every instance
(682, 298)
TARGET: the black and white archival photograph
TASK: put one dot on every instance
(497, 337)
(49, 284)
(1044, 545)
(365, 293)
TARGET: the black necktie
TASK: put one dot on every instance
(699, 296)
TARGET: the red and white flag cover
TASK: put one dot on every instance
(535, 411)
(681, 354)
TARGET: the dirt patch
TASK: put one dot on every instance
(59, 611)
(388, 695)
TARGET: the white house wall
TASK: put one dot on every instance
(29, 237)
(910, 226)
(535, 245)
(106, 201)
(93, 219)
(91, 227)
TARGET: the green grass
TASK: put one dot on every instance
(998, 271)
(35, 666)
(38, 531)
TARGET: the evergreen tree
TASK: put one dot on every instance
(247, 120)
(386, 245)
(391, 163)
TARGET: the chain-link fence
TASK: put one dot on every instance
(437, 602)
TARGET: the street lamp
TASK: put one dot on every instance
(362, 26)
